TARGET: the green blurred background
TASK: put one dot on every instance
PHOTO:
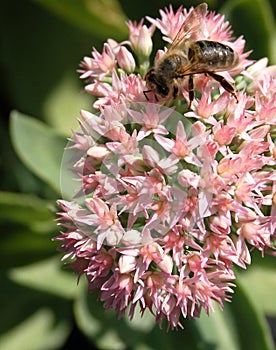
(42, 43)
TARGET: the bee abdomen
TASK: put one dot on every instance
(212, 55)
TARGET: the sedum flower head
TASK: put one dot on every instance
(170, 199)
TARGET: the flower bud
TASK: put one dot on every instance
(127, 263)
(98, 152)
(126, 60)
(144, 44)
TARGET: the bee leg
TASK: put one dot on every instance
(145, 92)
(225, 84)
(191, 90)
(175, 91)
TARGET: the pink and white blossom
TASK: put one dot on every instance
(169, 200)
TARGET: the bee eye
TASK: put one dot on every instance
(163, 90)
(151, 78)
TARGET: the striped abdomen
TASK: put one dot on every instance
(212, 56)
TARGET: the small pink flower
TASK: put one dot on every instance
(170, 22)
(181, 147)
(154, 253)
(217, 28)
(256, 234)
(140, 38)
(152, 159)
(124, 88)
(151, 120)
(105, 220)
(99, 65)
(223, 134)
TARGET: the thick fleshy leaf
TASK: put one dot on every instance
(254, 20)
(26, 210)
(58, 282)
(27, 227)
(259, 281)
(239, 326)
(250, 323)
(39, 147)
(217, 329)
(39, 328)
(63, 103)
(31, 318)
(40, 73)
(91, 16)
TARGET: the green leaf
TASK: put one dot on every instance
(216, 331)
(31, 319)
(63, 103)
(105, 17)
(58, 282)
(240, 325)
(45, 83)
(250, 323)
(27, 227)
(254, 20)
(26, 210)
(36, 332)
(39, 147)
(259, 281)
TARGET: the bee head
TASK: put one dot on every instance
(158, 87)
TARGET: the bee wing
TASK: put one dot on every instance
(190, 68)
(192, 24)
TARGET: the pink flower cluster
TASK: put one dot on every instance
(170, 199)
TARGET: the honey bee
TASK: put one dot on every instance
(187, 56)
